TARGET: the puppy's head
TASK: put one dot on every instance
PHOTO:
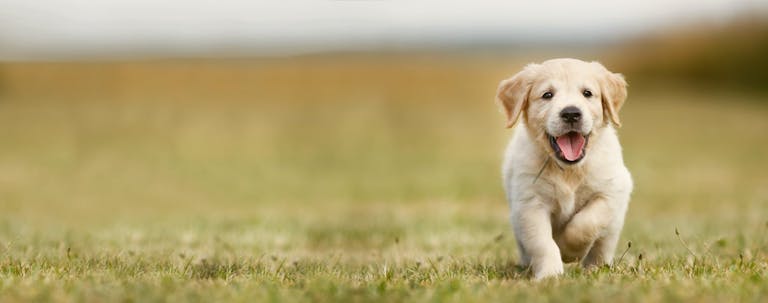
(563, 102)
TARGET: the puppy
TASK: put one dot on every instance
(563, 171)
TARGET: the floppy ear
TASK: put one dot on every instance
(512, 95)
(614, 94)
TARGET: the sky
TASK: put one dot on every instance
(50, 29)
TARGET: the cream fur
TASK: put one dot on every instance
(570, 212)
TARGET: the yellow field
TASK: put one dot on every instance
(346, 179)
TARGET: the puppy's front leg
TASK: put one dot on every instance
(533, 229)
(586, 227)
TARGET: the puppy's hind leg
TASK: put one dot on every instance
(601, 253)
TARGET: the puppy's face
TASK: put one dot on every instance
(563, 103)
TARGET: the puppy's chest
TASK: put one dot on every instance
(568, 198)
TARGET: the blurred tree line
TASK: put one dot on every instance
(726, 56)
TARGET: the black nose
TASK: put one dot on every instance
(570, 114)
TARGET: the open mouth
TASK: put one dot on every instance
(569, 147)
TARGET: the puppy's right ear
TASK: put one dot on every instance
(512, 95)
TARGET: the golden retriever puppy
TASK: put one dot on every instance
(563, 171)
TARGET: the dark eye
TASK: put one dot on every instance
(587, 93)
(547, 95)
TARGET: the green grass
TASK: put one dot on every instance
(358, 197)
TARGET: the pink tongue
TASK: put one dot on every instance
(572, 144)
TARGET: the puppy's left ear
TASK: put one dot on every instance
(614, 94)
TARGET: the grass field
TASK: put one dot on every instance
(357, 185)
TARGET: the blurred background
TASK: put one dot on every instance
(360, 117)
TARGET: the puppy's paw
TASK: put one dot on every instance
(548, 269)
(597, 258)
(570, 257)
(575, 241)
(572, 252)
